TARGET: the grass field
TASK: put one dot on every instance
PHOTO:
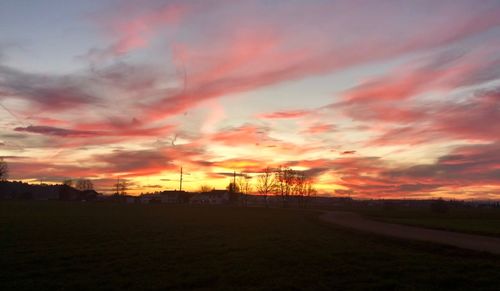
(52, 245)
(475, 221)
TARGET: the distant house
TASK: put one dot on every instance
(147, 198)
(45, 192)
(219, 197)
(199, 198)
(213, 197)
(256, 199)
(89, 195)
(172, 197)
(68, 193)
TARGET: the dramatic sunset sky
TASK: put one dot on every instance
(372, 98)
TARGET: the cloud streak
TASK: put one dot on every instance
(380, 99)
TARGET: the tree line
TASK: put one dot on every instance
(283, 182)
(79, 184)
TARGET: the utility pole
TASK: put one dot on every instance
(180, 181)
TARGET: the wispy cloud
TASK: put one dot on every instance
(406, 94)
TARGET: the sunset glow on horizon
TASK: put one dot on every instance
(374, 99)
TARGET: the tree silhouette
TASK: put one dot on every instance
(121, 187)
(266, 183)
(233, 188)
(285, 178)
(4, 170)
(288, 182)
(205, 188)
(307, 189)
(84, 185)
(68, 182)
(245, 186)
(299, 183)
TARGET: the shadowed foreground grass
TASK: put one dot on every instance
(51, 245)
(474, 221)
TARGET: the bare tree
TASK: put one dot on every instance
(303, 187)
(266, 183)
(279, 189)
(4, 170)
(121, 187)
(245, 186)
(205, 188)
(299, 186)
(288, 182)
(308, 190)
(68, 182)
(299, 183)
(84, 185)
(285, 178)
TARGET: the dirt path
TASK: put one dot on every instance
(461, 240)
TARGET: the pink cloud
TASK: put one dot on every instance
(75, 133)
(244, 135)
(285, 114)
(201, 51)
(134, 30)
(452, 120)
(320, 128)
(242, 65)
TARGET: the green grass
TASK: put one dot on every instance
(474, 221)
(51, 245)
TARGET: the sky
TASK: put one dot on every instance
(372, 99)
